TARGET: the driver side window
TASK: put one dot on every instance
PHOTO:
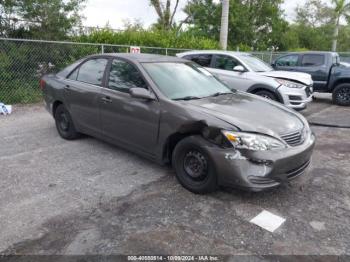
(289, 60)
(225, 62)
(124, 76)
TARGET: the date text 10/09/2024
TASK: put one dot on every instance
(173, 258)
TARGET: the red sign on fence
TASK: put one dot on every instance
(135, 49)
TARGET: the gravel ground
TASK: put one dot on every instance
(88, 197)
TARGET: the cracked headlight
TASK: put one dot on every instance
(253, 142)
(289, 84)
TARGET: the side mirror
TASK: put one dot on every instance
(239, 68)
(141, 93)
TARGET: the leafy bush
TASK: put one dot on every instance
(154, 38)
(18, 91)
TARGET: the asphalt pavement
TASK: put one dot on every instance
(89, 197)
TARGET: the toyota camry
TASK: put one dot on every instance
(175, 112)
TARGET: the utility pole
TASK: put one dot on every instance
(335, 35)
(224, 23)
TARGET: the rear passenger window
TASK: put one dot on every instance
(203, 60)
(312, 60)
(289, 60)
(225, 62)
(92, 71)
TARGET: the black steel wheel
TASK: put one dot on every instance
(194, 169)
(195, 165)
(341, 95)
(64, 124)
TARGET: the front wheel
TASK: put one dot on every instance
(341, 95)
(194, 169)
(267, 94)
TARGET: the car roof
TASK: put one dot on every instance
(143, 58)
(310, 52)
(217, 52)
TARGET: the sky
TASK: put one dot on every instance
(115, 12)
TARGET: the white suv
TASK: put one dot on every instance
(246, 72)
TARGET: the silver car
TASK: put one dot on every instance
(245, 72)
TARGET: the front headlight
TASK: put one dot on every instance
(289, 84)
(306, 131)
(253, 142)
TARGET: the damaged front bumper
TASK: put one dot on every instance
(260, 170)
(296, 98)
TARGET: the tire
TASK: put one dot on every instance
(341, 95)
(267, 94)
(194, 169)
(64, 124)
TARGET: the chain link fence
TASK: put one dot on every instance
(23, 62)
(268, 57)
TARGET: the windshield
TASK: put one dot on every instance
(255, 64)
(184, 80)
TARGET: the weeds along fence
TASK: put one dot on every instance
(23, 62)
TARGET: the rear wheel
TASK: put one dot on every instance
(64, 123)
(194, 169)
(267, 94)
(341, 95)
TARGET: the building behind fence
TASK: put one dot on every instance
(23, 62)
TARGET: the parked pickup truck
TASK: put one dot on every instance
(247, 73)
(328, 73)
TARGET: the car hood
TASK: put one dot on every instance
(303, 78)
(250, 113)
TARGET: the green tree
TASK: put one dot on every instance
(203, 18)
(165, 14)
(7, 8)
(46, 19)
(313, 25)
(314, 13)
(344, 38)
(258, 24)
(341, 9)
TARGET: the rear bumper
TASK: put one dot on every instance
(261, 170)
(48, 107)
(296, 98)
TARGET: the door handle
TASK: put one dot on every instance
(106, 99)
(67, 88)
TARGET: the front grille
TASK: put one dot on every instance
(296, 98)
(298, 171)
(293, 139)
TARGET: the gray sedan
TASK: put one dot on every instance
(175, 112)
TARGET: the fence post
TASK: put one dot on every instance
(102, 49)
(271, 57)
(166, 51)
